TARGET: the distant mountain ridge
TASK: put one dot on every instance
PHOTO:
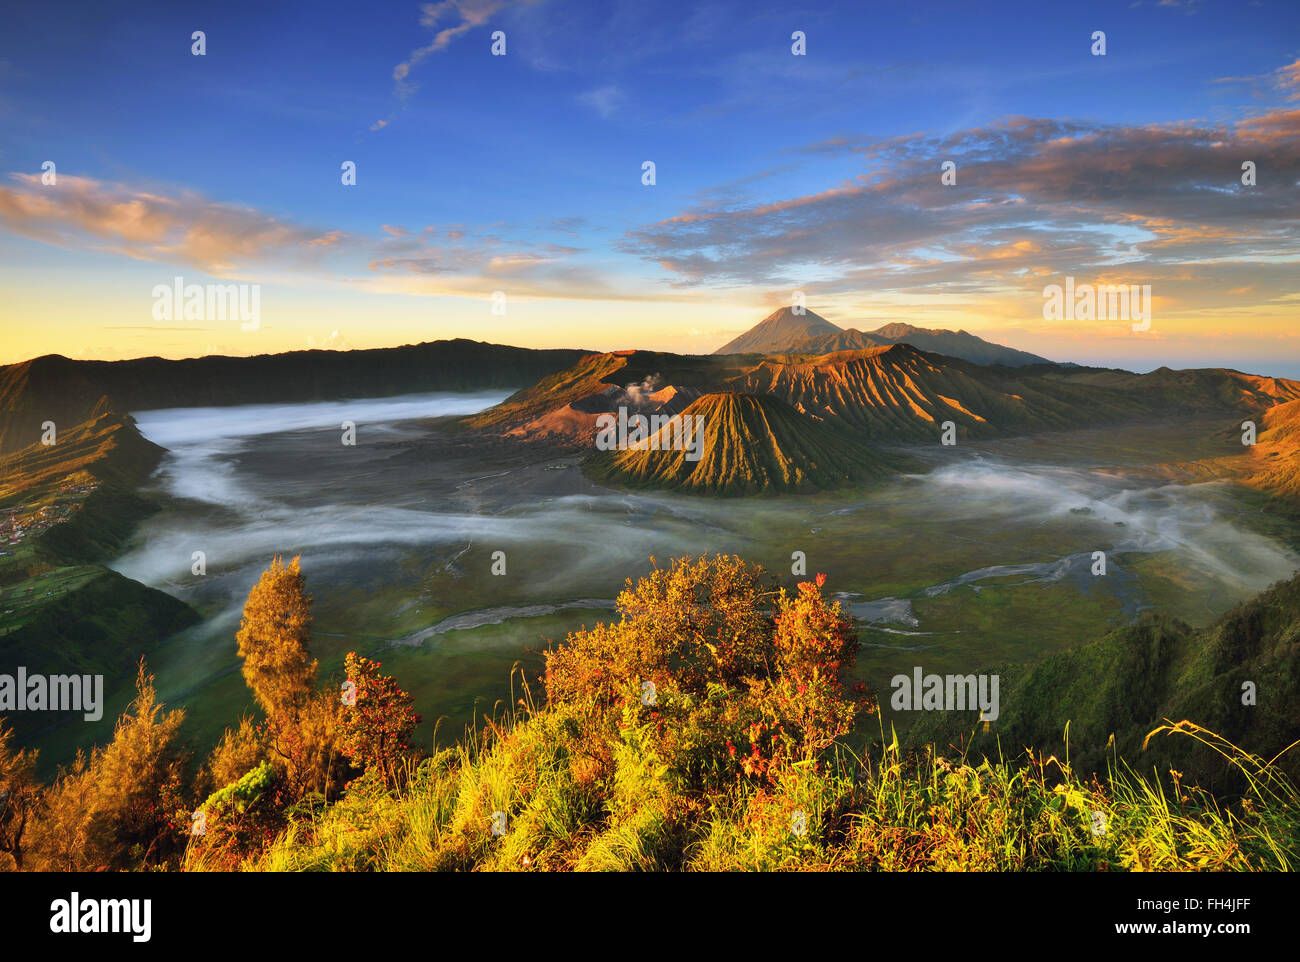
(66, 391)
(958, 344)
(785, 332)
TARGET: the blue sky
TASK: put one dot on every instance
(523, 172)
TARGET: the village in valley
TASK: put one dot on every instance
(21, 523)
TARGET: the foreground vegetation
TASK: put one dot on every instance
(712, 727)
(891, 813)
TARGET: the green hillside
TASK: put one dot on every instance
(1129, 681)
(63, 507)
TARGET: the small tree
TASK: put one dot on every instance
(375, 730)
(693, 624)
(273, 640)
(301, 723)
(815, 647)
(110, 809)
(19, 794)
(707, 655)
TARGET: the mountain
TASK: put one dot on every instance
(892, 393)
(958, 344)
(898, 393)
(51, 388)
(563, 407)
(747, 444)
(784, 332)
(88, 480)
(779, 332)
(64, 507)
(66, 391)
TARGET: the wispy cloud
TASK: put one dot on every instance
(186, 228)
(604, 100)
(448, 19)
(183, 228)
(1033, 198)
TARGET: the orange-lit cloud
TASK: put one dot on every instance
(186, 228)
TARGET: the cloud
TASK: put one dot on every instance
(1288, 79)
(1034, 198)
(185, 228)
(449, 19)
(604, 100)
(335, 342)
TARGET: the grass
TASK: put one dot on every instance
(896, 811)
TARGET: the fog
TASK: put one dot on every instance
(247, 483)
(204, 443)
(1185, 519)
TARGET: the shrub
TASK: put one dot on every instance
(375, 729)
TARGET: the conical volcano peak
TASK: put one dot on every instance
(780, 331)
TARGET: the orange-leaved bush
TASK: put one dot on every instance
(709, 655)
(804, 696)
(376, 726)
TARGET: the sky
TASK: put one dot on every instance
(503, 196)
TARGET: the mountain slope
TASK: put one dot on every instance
(1274, 461)
(780, 331)
(958, 344)
(899, 393)
(747, 444)
(894, 393)
(51, 388)
(62, 507)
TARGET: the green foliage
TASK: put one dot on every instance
(599, 780)
(1123, 685)
(896, 812)
(738, 760)
(240, 794)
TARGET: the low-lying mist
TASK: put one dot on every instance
(398, 535)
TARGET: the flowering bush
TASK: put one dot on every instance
(375, 730)
(745, 678)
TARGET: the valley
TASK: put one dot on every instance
(975, 555)
(458, 530)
